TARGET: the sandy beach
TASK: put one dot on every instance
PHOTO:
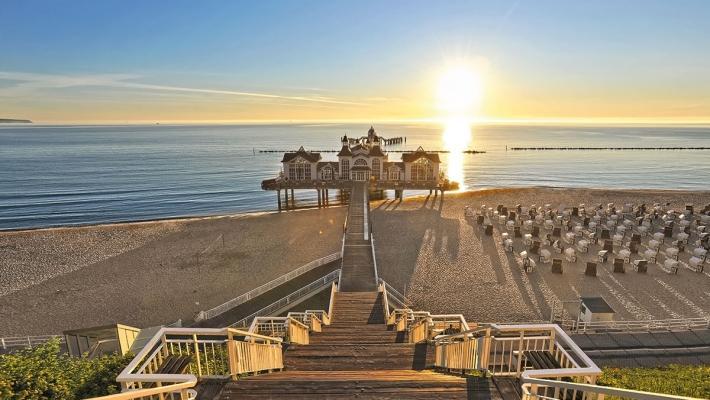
(153, 273)
(448, 264)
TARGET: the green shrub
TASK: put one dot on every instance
(44, 372)
(679, 380)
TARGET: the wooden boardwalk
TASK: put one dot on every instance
(358, 268)
(359, 356)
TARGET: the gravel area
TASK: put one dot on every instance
(145, 274)
(449, 266)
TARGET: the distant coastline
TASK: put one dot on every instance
(14, 121)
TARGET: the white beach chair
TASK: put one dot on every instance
(570, 255)
(682, 237)
(539, 219)
(549, 225)
(700, 253)
(659, 237)
(650, 255)
(569, 238)
(527, 239)
(508, 245)
(670, 266)
(696, 264)
(625, 254)
(527, 225)
(578, 229)
(621, 230)
(501, 219)
(592, 227)
(628, 224)
(618, 239)
(545, 256)
(510, 225)
(504, 236)
(654, 244)
(643, 230)
(583, 246)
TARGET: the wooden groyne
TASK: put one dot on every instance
(603, 148)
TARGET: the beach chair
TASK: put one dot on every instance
(585, 222)
(536, 231)
(608, 246)
(539, 219)
(489, 230)
(527, 225)
(569, 238)
(670, 266)
(556, 266)
(668, 231)
(592, 227)
(650, 255)
(591, 269)
(535, 247)
(499, 208)
(547, 241)
(570, 254)
(527, 262)
(659, 237)
(545, 256)
(625, 254)
(696, 264)
(556, 232)
(502, 219)
(583, 246)
(683, 237)
(641, 266)
(557, 246)
(508, 245)
(605, 234)
(619, 266)
(618, 239)
(643, 231)
(512, 216)
(672, 252)
(527, 239)
(634, 247)
(603, 256)
(578, 230)
(549, 225)
(516, 232)
(510, 225)
(479, 220)
(700, 253)
(654, 244)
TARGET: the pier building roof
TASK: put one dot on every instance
(307, 155)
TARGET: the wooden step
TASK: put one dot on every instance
(379, 384)
(327, 357)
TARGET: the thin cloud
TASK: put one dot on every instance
(29, 82)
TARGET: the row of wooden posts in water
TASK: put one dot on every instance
(605, 148)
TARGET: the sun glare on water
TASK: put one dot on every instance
(459, 96)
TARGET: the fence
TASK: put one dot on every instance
(291, 298)
(10, 342)
(641, 325)
(228, 305)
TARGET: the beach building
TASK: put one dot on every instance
(595, 309)
(359, 160)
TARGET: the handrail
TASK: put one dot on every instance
(530, 383)
(159, 390)
(641, 325)
(228, 305)
(374, 258)
(282, 302)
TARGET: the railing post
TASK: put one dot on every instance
(197, 353)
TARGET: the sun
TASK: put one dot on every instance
(459, 92)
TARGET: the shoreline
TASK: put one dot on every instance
(192, 218)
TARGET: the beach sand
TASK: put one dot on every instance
(149, 273)
(145, 274)
(449, 266)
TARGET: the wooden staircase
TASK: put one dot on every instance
(358, 268)
(359, 356)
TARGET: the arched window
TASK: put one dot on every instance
(361, 162)
(299, 169)
(376, 168)
(422, 170)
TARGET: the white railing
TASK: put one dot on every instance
(291, 298)
(575, 326)
(545, 389)
(10, 342)
(228, 305)
(208, 352)
(374, 259)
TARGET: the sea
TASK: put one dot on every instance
(53, 175)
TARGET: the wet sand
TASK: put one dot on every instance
(145, 274)
(448, 265)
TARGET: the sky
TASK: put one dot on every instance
(143, 61)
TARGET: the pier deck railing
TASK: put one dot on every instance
(575, 326)
(228, 305)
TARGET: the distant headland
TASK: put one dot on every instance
(14, 121)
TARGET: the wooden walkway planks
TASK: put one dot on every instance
(358, 268)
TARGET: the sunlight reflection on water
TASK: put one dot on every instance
(456, 138)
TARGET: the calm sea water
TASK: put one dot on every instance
(64, 175)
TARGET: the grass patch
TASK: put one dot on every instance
(679, 380)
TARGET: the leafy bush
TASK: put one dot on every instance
(679, 380)
(44, 372)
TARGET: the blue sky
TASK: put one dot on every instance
(230, 60)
